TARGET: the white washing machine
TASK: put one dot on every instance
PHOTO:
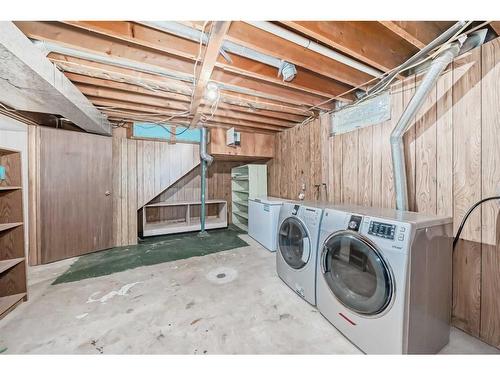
(384, 278)
(298, 232)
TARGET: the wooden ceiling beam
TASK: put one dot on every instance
(262, 41)
(215, 122)
(270, 91)
(111, 47)
(418, 33)
(132, 118)
(82, 79)
(118, 74)
(367, 41)
(495, 25)
(216, 38)
(143, 35)
(118, 104)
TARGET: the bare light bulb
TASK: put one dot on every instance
(212, 92)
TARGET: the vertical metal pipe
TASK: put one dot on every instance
(397, 147)
(206, 160)
(203, 188)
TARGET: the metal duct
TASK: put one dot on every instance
(227, 46)
(397, 148)
(204, 155)
(465, 44)
(49, 47)
(313, 46)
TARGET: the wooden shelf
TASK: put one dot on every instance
(248, 181)
(7, 188)
(185, 203)
(241, 214)
(189, 223)
(241, 203)
(9, 263)
(7, 226)
(241, 191)
(8, 302)
(13, 284)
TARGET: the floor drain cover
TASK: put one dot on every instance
(222, 275)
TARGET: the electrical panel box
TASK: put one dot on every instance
(233, 138)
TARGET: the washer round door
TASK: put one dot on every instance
(293, 243)
(356, 273)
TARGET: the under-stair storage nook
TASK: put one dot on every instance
(177, 217)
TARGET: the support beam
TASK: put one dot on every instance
(495, 25)
(142, 35)
(262, 41)
(367, 41)
(219, 30)
(418, 33)
(37, 85)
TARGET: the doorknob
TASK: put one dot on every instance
(107, 192)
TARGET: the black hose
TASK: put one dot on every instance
(457, 236)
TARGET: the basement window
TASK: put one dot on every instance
(146, 130)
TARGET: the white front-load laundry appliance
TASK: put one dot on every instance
(384, 278)
(298, 232)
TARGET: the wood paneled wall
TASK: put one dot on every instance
(453, 160)
(253, 145)
(141, 171)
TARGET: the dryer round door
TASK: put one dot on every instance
(293, 243)
(357, 273)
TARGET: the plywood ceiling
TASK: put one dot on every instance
(253, 96)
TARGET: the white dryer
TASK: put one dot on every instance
(384, 278)
(298, 232)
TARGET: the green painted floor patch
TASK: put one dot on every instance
(149, 251)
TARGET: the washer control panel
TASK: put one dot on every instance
(383, 230)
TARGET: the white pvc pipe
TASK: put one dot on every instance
(187, 32)
(313, 46)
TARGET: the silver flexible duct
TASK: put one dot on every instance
(397, 148)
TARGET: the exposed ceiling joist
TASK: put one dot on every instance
(418, 33)
(120, 50)
(219, 31)
(117, 74)
(29, 76)
(495, 25)
(150, 37)
(262, 41)
(367, 41)
(127, 87)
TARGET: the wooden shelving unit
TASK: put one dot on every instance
(177, 217)
(247, 181)
(12, 257)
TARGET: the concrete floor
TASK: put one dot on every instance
(180, 307)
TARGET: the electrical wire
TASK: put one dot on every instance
(439, 49)
(461, 227)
